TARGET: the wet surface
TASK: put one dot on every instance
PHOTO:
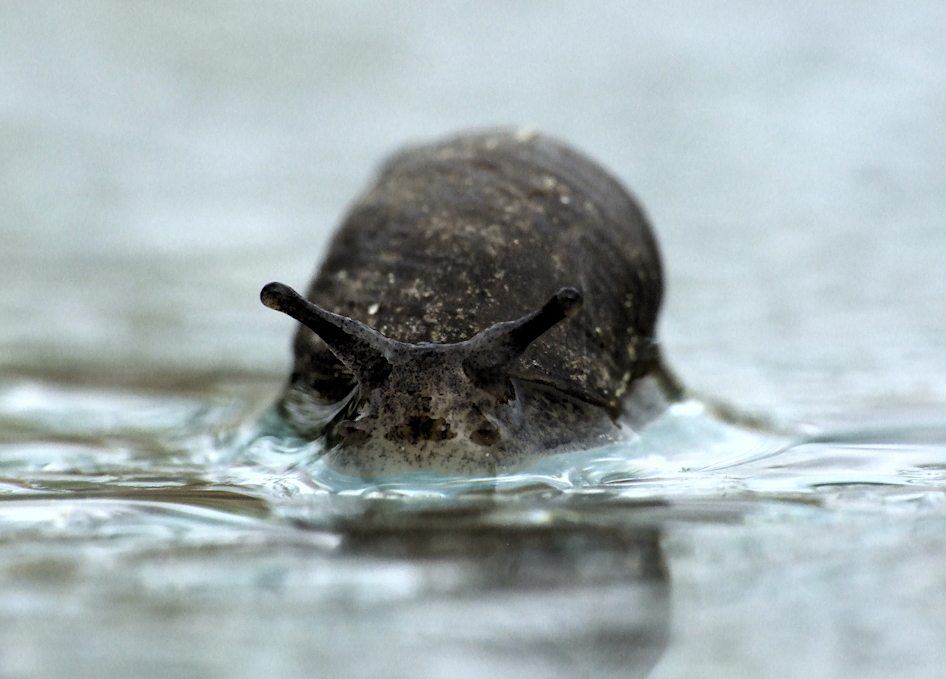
(151, 533)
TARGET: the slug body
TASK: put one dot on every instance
(492, 299)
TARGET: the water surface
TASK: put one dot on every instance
(154, 532)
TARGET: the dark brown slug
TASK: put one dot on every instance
(491, 300)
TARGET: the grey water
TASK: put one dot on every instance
(160, 162)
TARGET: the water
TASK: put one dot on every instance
(162, 162)
(143, 534)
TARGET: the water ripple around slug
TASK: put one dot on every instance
(58, 440)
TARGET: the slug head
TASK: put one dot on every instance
(450, 407)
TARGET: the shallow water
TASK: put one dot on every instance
(143, 534)
(161, 162)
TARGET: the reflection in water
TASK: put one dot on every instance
(545, 600)
(148, 588)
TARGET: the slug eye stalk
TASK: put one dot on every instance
(494, 350)
(360, 347)
(486, 357)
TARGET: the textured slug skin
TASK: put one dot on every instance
(481, 229)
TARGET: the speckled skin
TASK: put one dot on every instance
(453, 238)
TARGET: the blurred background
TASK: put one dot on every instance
(161, 161)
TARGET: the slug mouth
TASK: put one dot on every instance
(417, 428)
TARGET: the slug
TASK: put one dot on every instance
(492, 299)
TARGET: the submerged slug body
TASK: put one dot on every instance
(490, 300)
